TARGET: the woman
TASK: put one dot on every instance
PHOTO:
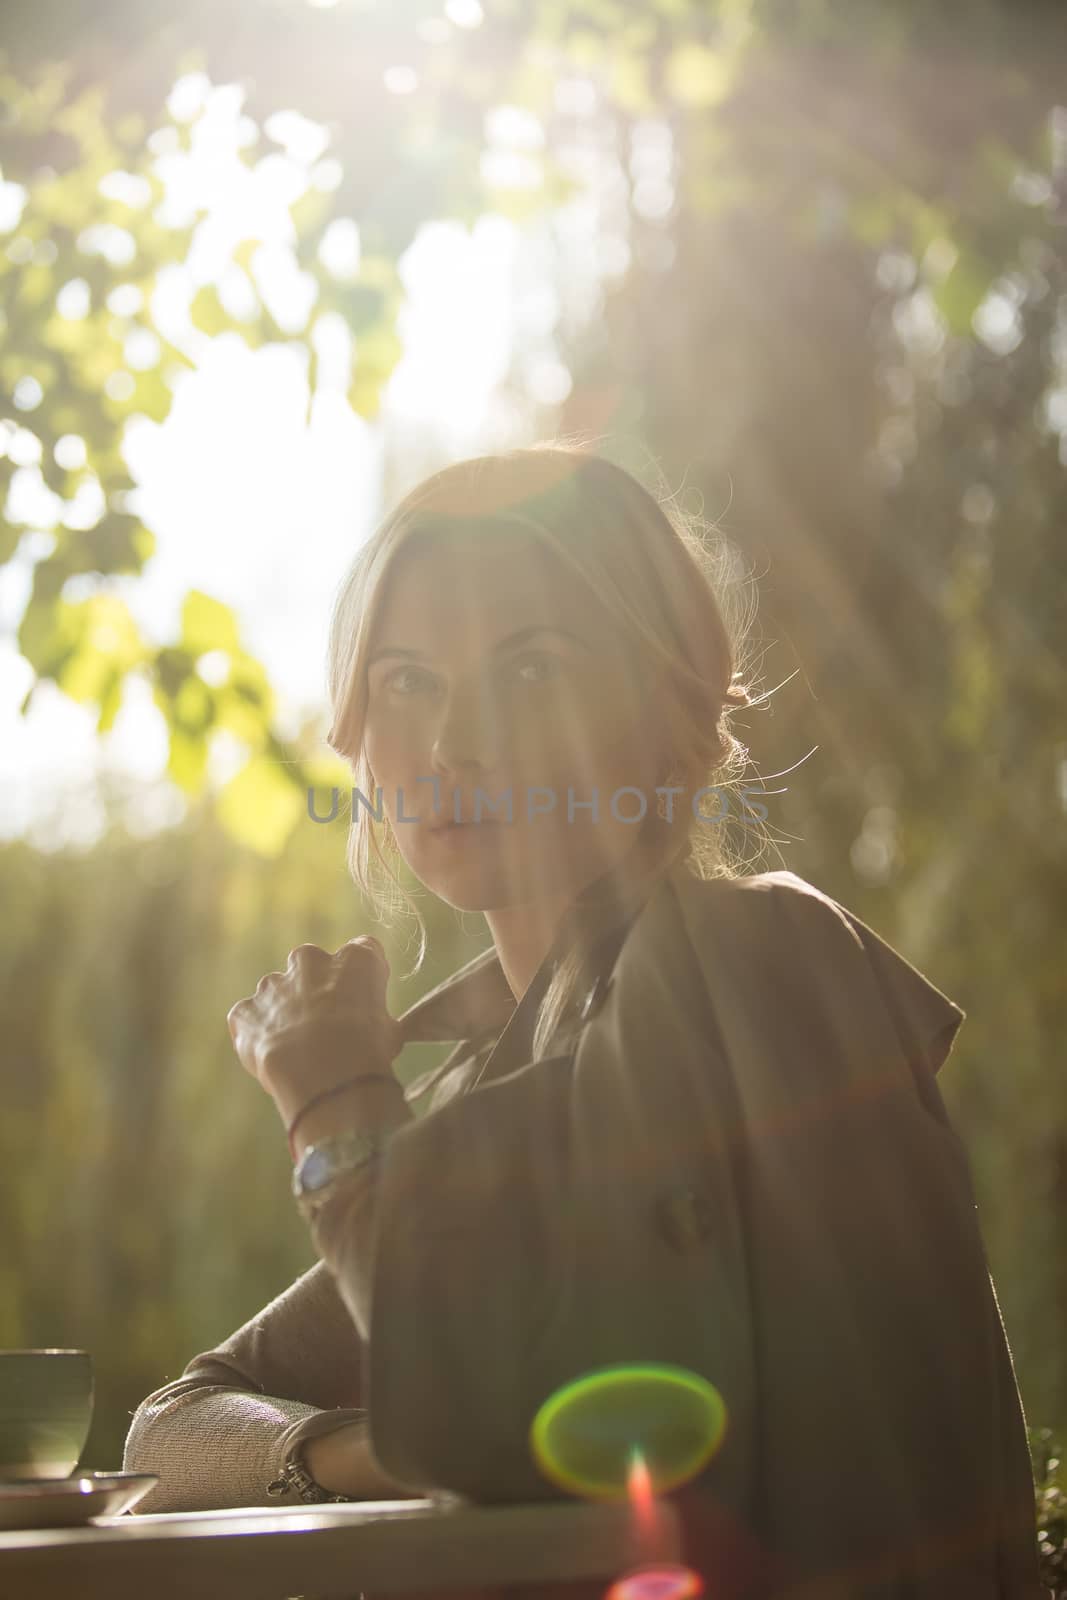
(691, 1117)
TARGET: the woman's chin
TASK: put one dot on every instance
(484, 868)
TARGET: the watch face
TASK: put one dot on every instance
(320, 1165)
(315, 1172)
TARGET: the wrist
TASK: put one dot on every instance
(368, 1106)
(299, 1062)
(326, 1459)
(344, 1463)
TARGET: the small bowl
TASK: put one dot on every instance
(46, 1411)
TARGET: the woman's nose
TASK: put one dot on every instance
(468, 731)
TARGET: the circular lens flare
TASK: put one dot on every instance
(587, 1436)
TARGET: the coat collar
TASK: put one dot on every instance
(473, 1002)
(476, 1002)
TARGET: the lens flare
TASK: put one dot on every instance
(656, 1583)
(587, 1436)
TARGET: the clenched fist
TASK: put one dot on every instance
(321, 1020)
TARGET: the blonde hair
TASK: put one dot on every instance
(673, 588)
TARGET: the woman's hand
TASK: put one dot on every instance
(318, 1022)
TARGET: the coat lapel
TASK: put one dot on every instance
(470, 1003)
(607, 911)
(475, 1001)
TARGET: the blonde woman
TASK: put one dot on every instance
(690, 1117)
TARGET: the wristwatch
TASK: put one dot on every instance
(323, 1163)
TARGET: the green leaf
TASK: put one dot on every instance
(172, 666)
(208, 624)
(110, 702)
(194, 706)
(112, 546)
(362, 305)
(376, 354)
(206, 312)
(249, 683)
(187, 762)
(260, 806)
(143, 541)
(103, 643)
(240, 714)
(84, 676)
(78, 643)
(10, 537)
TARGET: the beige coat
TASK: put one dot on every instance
(736, 1161)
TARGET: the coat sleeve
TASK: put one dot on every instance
(219, 1433)
(892, 1440)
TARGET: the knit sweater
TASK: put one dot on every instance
(220, 1433)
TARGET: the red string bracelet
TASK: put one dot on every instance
(361, 1077)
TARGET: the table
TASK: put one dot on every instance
(331, 1552)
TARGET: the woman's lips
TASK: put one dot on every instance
(462, 827)
(445, 827)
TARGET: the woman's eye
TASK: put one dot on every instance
(394, 680)
(536, 668)
(532, 669)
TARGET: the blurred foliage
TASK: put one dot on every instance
(1051, 1483)
(834, 299)
(808, 112)
(849, 332)
(118, 966)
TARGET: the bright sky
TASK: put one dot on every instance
(248, 500)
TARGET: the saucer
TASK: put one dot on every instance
(70, 1502)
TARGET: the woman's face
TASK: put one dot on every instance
(490, 669)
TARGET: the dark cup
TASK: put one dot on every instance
(46, 1410)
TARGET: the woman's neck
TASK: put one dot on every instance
(524, 934)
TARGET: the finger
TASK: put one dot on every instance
(309, 953)
(363, 968)
(363, 941)
(233, 1017)
(237, 1022)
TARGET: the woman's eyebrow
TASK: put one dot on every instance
(504, 644)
